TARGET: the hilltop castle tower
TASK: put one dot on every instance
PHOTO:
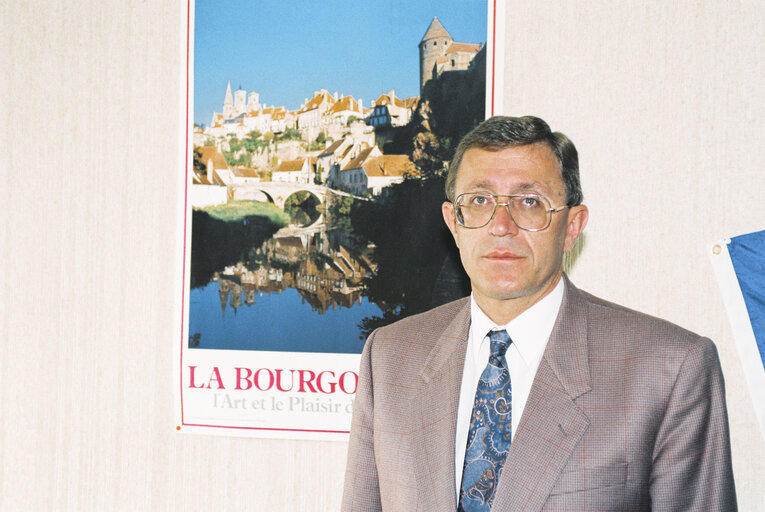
(433, 45)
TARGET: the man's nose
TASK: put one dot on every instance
(502, 223)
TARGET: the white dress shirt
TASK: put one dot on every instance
(529, 331)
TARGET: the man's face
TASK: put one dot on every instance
(503, 261)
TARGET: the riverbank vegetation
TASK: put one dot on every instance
(222, 235)
(417, 262)
(236, 211)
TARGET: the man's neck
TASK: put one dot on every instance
(503, 311)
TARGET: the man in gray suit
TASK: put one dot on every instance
(531, 394)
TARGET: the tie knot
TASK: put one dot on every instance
(500, 340)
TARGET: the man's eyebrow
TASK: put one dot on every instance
(523, 187)
(480, 185)
(529, 186)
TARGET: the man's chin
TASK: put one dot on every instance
(503, 291)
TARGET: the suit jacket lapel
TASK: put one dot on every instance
(552, 424)
(441, 380)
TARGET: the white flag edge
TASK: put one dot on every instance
(743, 334)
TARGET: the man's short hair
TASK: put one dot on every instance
(500, 132)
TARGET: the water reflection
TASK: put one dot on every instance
(302, 290)
(326, 266)
(325, 287)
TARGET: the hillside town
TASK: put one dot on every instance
(332, 140)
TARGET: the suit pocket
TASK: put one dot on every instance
(590, 478)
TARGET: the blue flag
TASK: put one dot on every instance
(747, 254)
(739, 265)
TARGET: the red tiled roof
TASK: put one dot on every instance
(346, 103)
(243, 172)
(384, 99)
(359, 160)
(389, 165)
(331, 149)
(290, 165)
(208, 153)
(463, 47)
(317, 100)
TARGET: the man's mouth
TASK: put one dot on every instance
(502, 255)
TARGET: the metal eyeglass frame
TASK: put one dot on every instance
(457, 205)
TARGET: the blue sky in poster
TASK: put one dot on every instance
(287, 50)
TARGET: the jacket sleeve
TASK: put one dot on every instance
(361, 490)
(691, 467)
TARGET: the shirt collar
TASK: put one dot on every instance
(529, 331)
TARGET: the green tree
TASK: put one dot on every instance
(289, 134)
(412, 245)
(234, 143)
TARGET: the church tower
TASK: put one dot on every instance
(253, 101)
(240, 101)
(433, 45)
(228, 103)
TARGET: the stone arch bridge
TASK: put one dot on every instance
(277, 192)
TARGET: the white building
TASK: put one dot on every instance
(386, 170)
(300, 170)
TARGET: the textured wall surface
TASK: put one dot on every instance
(664, 103)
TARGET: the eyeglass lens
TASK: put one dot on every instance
(529, 212)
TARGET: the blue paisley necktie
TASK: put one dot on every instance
(490, 430)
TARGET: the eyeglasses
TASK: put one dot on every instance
(530, 212)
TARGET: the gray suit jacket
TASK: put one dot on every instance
(626, 412)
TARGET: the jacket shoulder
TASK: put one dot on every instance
(432, 321)
(608, 320)
(414, 337)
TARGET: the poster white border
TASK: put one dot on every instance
(233, 366)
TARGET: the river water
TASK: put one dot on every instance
(299, 291)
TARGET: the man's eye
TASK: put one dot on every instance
(530, 202)
(479, 201)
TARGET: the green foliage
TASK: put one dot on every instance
(339, 211)
(411, 247)
(289, 134)
(250, 145)
(321, 138)
(303, 208)
(234, 144)
(218, 243)
(351, 119)
(209, 142)
(235, 211)
(231, 159)
(199, 165)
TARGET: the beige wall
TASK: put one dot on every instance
(90, 92)
(664, 101)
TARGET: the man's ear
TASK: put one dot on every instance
(447, 210)
(577, 220)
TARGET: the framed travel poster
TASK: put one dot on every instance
(316, 148)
